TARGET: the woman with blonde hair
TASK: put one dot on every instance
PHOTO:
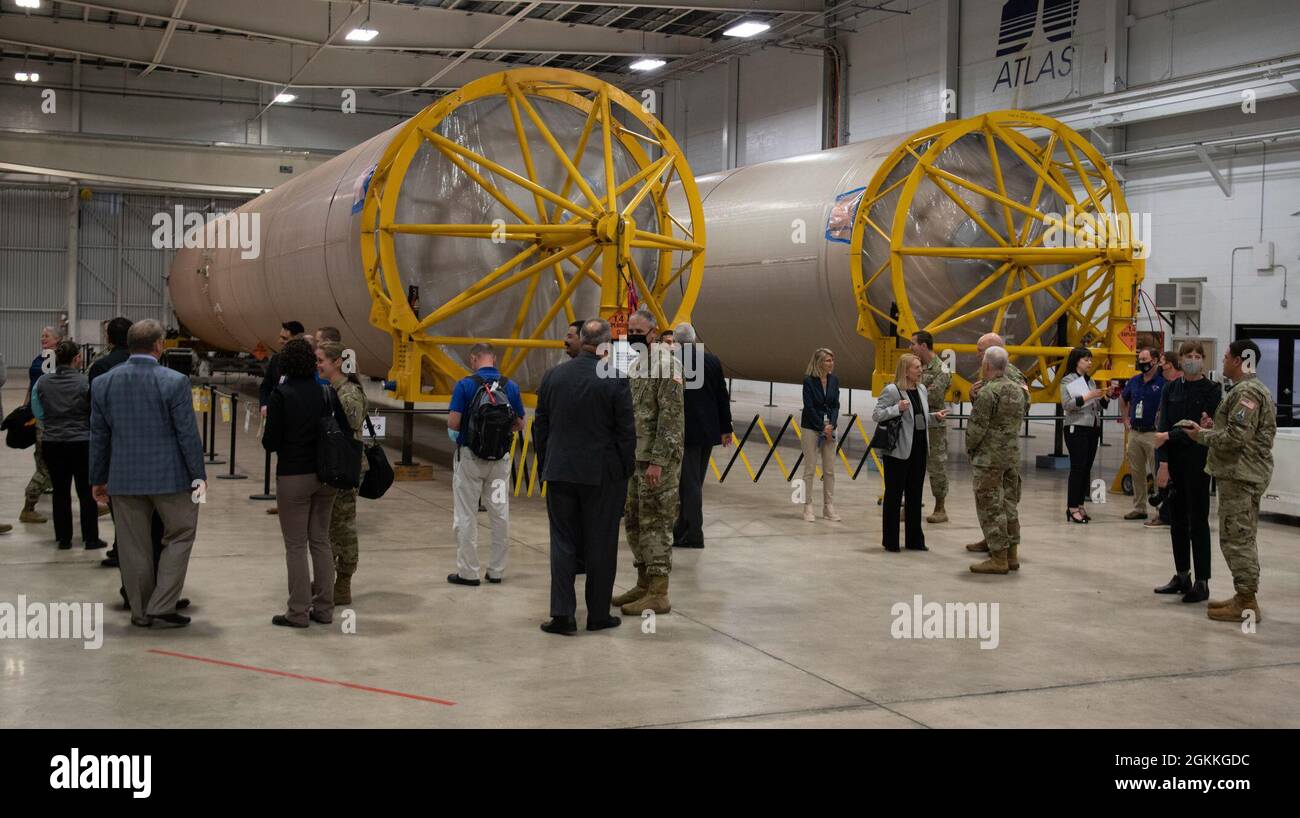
(905, 463)
(821, 411)
(343, 516)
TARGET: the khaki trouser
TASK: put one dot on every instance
(813, 456)
(305, 504)
(474, 479)
(1141, 454)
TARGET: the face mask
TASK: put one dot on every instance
(1144, 367)
(635, 339)
(1192, 367)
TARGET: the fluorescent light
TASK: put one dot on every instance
(29, 4)
(21, 76)
(284, 98)
(647, 65)
(746, 29)
(362, 35)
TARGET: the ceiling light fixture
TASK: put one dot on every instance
(285, 98)
(22, 76)
(746, 29)
(35, 77)
(362, 35)
(29, 4)
(647, 64)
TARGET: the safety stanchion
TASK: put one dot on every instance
(266, 483)
(234, 415)
(212, 458)
(771, 450)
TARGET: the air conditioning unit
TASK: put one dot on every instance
(1179, 296)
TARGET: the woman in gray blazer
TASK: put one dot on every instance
(905, 463)
(1082, 406)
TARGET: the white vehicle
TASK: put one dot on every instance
(1283, 493)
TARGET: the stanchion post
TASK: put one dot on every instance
(408, 434)
(266, 482)
(212, 458)
(234, 422)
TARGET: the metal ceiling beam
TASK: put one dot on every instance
(477, 46)
(167, 37)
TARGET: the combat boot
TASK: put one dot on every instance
(628, 597)
(342, 589)
(31, 515)
(995, 564)
(1232, 610)
(1013, 558)
(981, 546)
(939, 515)
(656, 598)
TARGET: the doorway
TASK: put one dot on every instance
(1279, 366)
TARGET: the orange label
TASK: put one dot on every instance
(618, 324)
(1129, 336)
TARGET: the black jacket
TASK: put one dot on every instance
(708, 406)
(1185, 400)
(820, 407)
(116, 355)
(293, 416)
(584, 430)
(270, 380)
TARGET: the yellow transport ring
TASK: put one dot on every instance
(573, 226)
(1095, 294)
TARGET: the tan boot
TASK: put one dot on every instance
(939, 515)
(995, 564)
(628, 597)
(981, 546)
(1220, 603)
(31, 515)
(1013, 557)
(1236, 606)
(829, 513)
(656, 598)
(808, 516)
(342, 589)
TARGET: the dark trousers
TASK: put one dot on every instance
(1189, 516)
(1081, 442)
(584, 522)
(905, 483)
(690, 517)
(70, 463)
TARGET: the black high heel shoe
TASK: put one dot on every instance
(1199, 592)
(1178, 585)
(1070, 514)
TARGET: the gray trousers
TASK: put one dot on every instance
(133, 517)
(305, 506)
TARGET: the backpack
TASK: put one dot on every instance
(489, 427)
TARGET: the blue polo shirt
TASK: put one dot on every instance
(1143, 399)
(463, 394)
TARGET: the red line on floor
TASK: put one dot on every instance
(288, 675)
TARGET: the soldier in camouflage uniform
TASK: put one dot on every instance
(985, 343)
(995, 460)
(343, 516)
(1240, 439)
(658, 392)
(935, 377)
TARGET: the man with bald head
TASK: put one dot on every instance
(988, 341)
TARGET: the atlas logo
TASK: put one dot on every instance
(1026, 23)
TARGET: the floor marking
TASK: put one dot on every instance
(288, 675)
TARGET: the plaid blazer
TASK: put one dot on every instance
(144, 438)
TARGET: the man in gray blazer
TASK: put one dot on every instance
(145, 452)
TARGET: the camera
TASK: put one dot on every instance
(1158, 496)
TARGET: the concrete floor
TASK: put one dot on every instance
(777, 623)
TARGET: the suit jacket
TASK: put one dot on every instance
(584, 430)
(270, 380)
(143, 435)
(708, 406)
(887, 407)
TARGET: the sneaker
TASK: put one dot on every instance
(1156, 523)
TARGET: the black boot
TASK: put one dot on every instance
(1180, 584)
(561, 624)
(1199, 592)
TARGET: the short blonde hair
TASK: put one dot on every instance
(817, 365)
(905, 362)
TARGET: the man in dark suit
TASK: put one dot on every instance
(585, 436)
(288, 331)
(708, 423)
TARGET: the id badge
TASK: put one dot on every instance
(1137, 412)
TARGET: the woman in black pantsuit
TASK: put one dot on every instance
(1082, 404)
(905, 463)
(1181, 473)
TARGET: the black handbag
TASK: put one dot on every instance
(20, 428)
(376, 481)
(338, 452)
(886, 435)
